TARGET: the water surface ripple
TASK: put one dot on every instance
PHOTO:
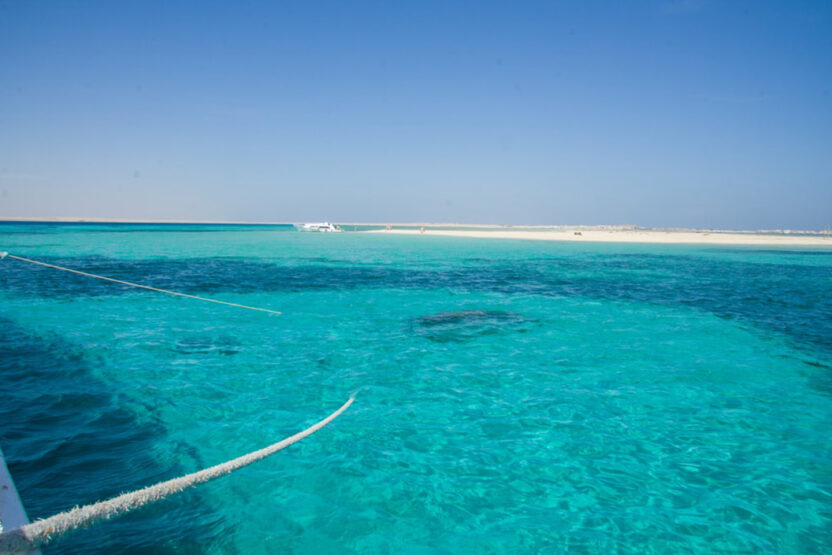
(512, 396)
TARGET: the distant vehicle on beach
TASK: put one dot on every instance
(323, 227)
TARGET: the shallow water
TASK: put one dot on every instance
(512, 396)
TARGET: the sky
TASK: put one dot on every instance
(683, 113)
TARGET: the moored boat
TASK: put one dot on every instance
(322, 227)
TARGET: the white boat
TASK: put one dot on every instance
(323, 227)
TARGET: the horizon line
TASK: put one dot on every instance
(69, 220)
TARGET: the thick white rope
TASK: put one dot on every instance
(30, 261)
(32, 536)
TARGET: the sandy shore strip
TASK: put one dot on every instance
(632, 236)
(596, 234)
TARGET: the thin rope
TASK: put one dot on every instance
(131, 284)
(32, 536)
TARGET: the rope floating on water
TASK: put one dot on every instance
(32, 536)
(131, 284)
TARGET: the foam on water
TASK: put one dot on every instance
(513, 396)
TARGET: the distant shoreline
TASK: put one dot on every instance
(570, 233)
(505, 227)
(653, 236)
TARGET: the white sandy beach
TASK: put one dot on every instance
(632, 236)
(592, 234)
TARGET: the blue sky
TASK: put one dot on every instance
(681, 113)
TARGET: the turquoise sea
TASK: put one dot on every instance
(512, 397)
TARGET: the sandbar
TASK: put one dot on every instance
(631, 236)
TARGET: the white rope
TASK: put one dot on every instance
(131, 284)
(32, 536)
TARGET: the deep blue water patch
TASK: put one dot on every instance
(792, 299)
(465, 325)
(68, 442)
